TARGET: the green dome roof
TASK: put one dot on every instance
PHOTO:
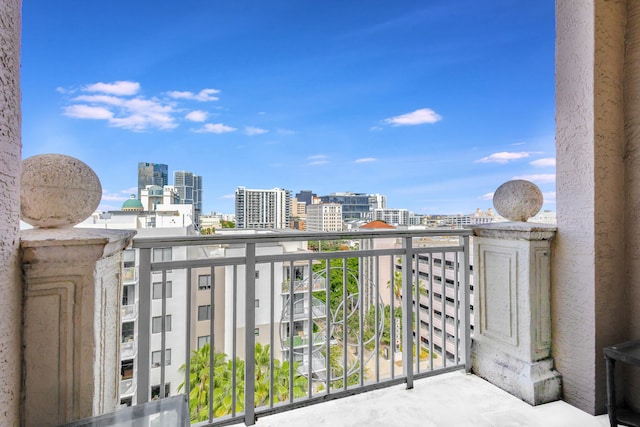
(132, 203)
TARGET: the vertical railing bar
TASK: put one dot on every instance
(271, 332)
(392, 316)
(344, 324)
(361, 321)
(465, 304)
(311, 338)
(407, 312)
(456, 305)
(377, 331)
(431, 310)
(443, 299)
(163, 335)
(234, 341)
(416, 281)
(249, 335)
(327, 298)
(144, 325)
(187, 346)
(212, 359)
(291, 324)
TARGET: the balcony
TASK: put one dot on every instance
(364, 328)
(129, 313)
(127, 387)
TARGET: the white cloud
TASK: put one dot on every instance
(228, 196)
(197, 116)
(137, 114)
(487, 196)
(129, 191)
(120, 88)
(549, 197)
(366, 160)
(205, 95)
(117, 197)
(251, 131)
(82, 111)
(318, 159)
(546, 178)
(375, 128)
(418, 117)
(215, 128)
(544, 163)
(503, 157)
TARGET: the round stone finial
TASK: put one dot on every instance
(57, 191)
(518, 200)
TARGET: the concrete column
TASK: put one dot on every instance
(589, 302)
(10, 153)
(72, 280)
(512, 339)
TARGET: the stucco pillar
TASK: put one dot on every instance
(72, 280)
(10, 153)
(589, 301)
(512, 339)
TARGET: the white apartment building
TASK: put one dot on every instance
(324, 217)
(392, 216)
(262, 209)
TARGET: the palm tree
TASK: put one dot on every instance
(223, 390)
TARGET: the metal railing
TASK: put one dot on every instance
(369, 318)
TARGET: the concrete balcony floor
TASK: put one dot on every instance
(449, 400)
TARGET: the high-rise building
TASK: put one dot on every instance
(306, 196)
(262, 208)
(324, 217)
(189, 188)
(355, 205)
(152, 174)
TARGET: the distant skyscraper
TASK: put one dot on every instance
(152, 174)
(189, 187)
(262, 208)
(305, 196)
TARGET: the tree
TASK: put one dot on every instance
(223, 391)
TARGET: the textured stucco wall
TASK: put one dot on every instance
(588, 280)
(632, 167)
(10, 154)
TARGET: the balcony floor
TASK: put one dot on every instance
(449, 400)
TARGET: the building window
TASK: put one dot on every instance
(256, 332)
(161, 254)
(155, 391)
(127, 331)
(204, 312)
(257, 303)
(126, 369)
(257, 274)
(156, 324)
(129, 258)
(157, 289)
(204, 281)
(128, 294)
(202, 341)
(156, 358)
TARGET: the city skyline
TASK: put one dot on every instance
(434, 105)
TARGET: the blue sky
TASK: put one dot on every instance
(432, 103)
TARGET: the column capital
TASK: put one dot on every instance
(516, 231)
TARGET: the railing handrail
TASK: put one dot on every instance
(240, 237)
(250, 260)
